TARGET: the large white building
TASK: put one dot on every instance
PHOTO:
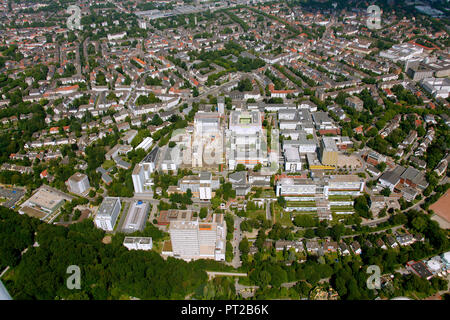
(78, 183)
(108, 213)
(201, 186)
(402, 52)
(297, 187)
(193, 239)
(292, 161)
(145, 144)
(437, 87)
(138, 243)
(245, 140)
(141, 174)
(334, 185)
(207, 140)
(136, 217)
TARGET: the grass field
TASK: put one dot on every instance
(339, 198)
(341, 208)
(255, 213)
(108, 164)
(284, 218)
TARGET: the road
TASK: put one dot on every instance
(212, 274)
(237, 237)
(268, 213)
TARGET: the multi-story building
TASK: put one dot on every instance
(199, 240)
(245, 141)
(328, 151)
(207, 142)
(78, 183)
(201, 186)
(141, 175)
(136, 217)
(108, 213)
(138, 243)
(309, 189)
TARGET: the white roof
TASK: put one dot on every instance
(434, 265)
(447, 256)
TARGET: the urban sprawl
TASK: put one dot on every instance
(289, 144)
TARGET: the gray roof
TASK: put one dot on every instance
(106, 178)
(205, 175)
(107, 206)
(415, 176)
(238, 177)
(391, 177)
(151, 157)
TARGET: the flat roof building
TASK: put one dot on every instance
(107, 213)
(136, 217)
(193, 240)
(78, 183)
(328, 151)
(138, 243)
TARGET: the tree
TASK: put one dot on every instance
(281, 201)
(244, 246)
(264, 278)
(386, 192)
(203, 213)
(419, 223)
(361, 206)
(381, 166)
(309, 233)
(245, 85)
(305, 220)
(336, 231)
(257, 167)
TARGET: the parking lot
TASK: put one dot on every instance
(11, 195)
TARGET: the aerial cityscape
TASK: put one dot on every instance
(224, 150)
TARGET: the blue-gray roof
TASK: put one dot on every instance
(4, 294)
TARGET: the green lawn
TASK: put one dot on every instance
(108, 164)
(268, 194)
(339, 198)
(255, 213)
(341, 208)
(284, 218)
